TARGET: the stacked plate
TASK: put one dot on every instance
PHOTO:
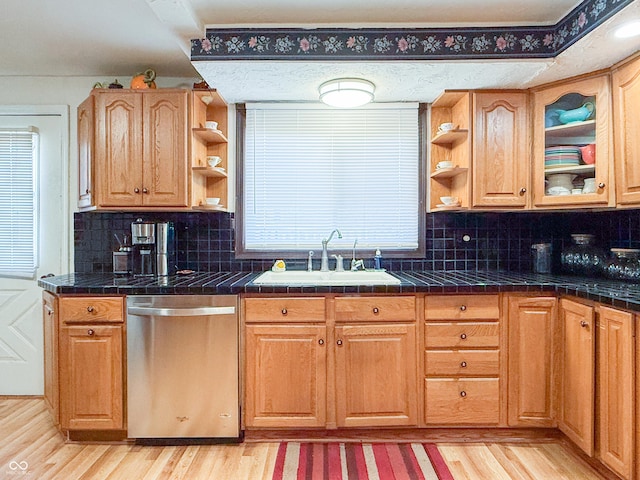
(561, 156)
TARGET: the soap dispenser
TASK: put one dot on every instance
(377, 260)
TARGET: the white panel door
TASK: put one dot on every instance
(21, 337)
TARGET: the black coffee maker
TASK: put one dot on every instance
(143, 248)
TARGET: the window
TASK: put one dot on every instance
(308, 169)
(18, 202)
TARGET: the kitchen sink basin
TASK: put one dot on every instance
(301, 277)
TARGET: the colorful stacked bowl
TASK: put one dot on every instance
(561, 156)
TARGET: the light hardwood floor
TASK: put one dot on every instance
(31, 448)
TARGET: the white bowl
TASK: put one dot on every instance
(212, 200)
(213, 160)
(211, 125)
(449, 200)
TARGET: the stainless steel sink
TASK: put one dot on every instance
(301, 277)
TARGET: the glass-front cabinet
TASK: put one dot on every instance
(572, 144)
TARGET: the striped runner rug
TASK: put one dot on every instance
(360, 461)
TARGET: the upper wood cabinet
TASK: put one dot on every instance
(626, 105)
(567, 116)
(501, 156)
(533, 352)
(138, 157)
(86, 125)
(576, 416)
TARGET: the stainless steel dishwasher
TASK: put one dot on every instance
(182, 367)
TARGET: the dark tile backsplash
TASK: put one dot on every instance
(496, 241)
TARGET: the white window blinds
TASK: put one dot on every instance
(309, 169)
(18, 202)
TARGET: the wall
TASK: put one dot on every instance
(498, 241)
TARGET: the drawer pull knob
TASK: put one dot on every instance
(463, 308)
(284, 311)
(601, 185)
(584, 324)
(523, 191)
(90, 309)
(144, 190)
(463, 394)
(321, 342)
(339, 343)
(463, 364)
(90, 331)
(136, 190)
(376, 310)
(463, 336)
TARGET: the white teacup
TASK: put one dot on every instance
(445, 127)
(444, 164)
(211, 125)
(213, 160)
(449, 201)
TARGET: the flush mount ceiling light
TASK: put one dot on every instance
(346, 92)
(627, 30)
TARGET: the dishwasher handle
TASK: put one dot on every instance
(180, 312)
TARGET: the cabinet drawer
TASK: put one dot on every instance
(375, 309)
(462, 335)
(461, 307)
(462, 362)
(91, 309)
(462, 401)
(283, 309)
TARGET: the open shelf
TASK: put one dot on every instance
(452, 136)
(209, 135)
(448, 172)
(210, 172)
(210, 208)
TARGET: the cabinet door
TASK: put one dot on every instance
(165, 148)
(118, 148)
(616, 375)
(285, 376)
(85, 153)
(91, 376)
(577, 380)
(626, 127)
(376, 382)
(50, 330)
(532, 356)
(549, 103)
(501, 153)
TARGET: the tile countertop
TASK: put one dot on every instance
(617, 294)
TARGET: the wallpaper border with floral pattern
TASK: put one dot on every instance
(404, 44)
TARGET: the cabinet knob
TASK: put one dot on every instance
(144, 190)
(463, 336)
(321, 342)
(339, 343)
(523, 191)
(463, 394)
(90, 332)
(463, 308)
(136, 190)
(284, 311)
(90, 309)
(584, 324)
(463, 364)
(601, 185)
(376, 310)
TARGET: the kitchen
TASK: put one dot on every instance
(444, 232)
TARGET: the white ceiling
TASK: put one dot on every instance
(118, 38)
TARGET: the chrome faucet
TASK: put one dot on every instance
(355, 264)
(324, 260)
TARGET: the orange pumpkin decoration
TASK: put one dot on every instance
(144, 80)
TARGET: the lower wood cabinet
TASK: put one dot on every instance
(84, 361)
(463, 360)
(616, 390)
(355, 368)
(576, 416)
(533, 355)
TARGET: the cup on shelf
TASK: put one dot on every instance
(588, 153)
(449, 201)
(444, 164)
(211, 125)
(213, 160)
(445, 127)
(589, 185)
(212, 201)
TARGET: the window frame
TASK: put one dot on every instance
(242, 253)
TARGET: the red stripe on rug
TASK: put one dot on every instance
(438, 462)
(324, 461)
